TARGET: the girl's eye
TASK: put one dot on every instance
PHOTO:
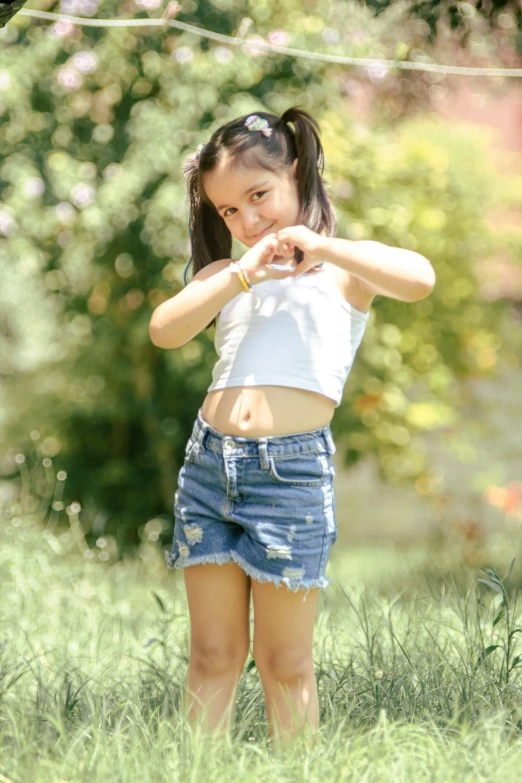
(259, 192)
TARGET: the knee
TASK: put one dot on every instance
(213, 658)
(283, 665)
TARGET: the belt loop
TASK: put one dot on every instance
(200, 437)
(263, 453)
(330, 442)
(201, 430)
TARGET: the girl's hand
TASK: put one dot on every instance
(258, 261)
(306, 240)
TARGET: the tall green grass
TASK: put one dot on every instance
(418, 669)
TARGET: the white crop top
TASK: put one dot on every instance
(304, 335)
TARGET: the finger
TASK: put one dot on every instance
(271, 245)
(285, 249)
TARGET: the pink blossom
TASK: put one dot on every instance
(82, 195)
(86, 62)
(223, 54)
(69, 79)
(330, 36)
(377, 70)
(63, 28)
(34, 187)
(65, 212)
(78, 7)
(8, 224)
(253, 50)
(278, 38)
(149, 5)
(183, 54)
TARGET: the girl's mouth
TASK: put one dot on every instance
(257, 236)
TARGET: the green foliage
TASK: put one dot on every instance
(462, 17)
(504, 621)
(417, 188)
(93, 222)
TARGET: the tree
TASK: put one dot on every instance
(498, 14)
(94, 237)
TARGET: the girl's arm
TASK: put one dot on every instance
(179, 319)
(389, 271)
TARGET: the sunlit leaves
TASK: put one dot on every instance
(93, 229)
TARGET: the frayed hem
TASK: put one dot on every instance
(294, 583)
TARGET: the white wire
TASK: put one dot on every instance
(230, 40)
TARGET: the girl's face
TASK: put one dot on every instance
(253, 202)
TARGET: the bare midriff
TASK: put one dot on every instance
(256, 411)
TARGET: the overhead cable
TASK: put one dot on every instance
(262, 45)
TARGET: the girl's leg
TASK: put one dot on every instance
(219, 608)
(283, 652)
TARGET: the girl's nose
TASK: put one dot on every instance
(250, 221)
(250, 230)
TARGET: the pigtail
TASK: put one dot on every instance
(210, 239)
(317, 210)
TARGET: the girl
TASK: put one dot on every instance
(255, 508)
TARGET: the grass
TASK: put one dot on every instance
(417, 664)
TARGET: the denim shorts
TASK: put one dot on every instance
(266, 503)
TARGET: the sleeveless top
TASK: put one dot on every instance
(304, 335)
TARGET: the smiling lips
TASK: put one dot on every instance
(261, 232)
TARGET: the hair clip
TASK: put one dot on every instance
(199, 150)
(255, 123)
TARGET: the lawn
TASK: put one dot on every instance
(416, 663)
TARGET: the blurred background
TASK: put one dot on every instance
(94, 125)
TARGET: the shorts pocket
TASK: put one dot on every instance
(300, 470)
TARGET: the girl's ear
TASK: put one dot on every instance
(294, 166)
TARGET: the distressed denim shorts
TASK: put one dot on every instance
(266, 503)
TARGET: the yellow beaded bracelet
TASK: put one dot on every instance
(242, 274)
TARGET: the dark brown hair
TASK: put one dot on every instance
(210, 238)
